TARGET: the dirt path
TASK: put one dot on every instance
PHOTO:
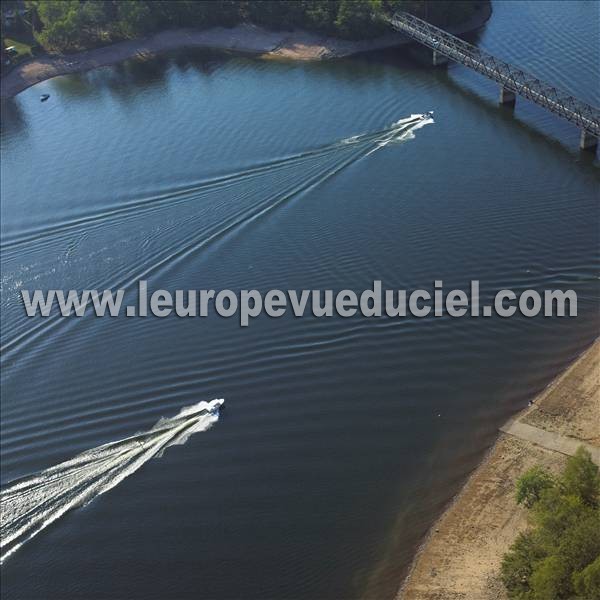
(549, 439)
(460, 559)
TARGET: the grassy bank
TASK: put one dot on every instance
(24, 49)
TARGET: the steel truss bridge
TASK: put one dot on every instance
(511, 79)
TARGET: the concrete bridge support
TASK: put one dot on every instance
(439, 59)
(507, 96)
(581, 114)
(587, 141)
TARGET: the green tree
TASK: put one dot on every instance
(581, 478)
(531, 485)
(518, 565)
(74, 24)
(550, 579)
(558, 558)
(587, 581)
(320, 15)
(360, 18)
(135, 18)
(69, 24)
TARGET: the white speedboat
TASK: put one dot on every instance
(215, 406)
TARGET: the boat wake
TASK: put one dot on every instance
(32, 503)
(223, 207)
(398, 131)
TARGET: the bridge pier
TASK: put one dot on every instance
(446, 46)
(587, 141)
(439, 59)
(507, 96)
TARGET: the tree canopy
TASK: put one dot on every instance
(559, 557)
(68, 25)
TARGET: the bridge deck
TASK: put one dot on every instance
(508, 76)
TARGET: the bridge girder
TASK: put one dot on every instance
(512, 78)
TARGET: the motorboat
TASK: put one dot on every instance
(215, 406)
(44, 97)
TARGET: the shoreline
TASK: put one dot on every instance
(244, 39)
(461, 553)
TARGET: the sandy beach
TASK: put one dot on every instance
(461, 556)
(244, 38)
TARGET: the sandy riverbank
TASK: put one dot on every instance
(246, 38)
(461, 556)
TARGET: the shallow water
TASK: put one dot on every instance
(330, 461)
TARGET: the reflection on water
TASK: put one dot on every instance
(12, 121)
(124, 79)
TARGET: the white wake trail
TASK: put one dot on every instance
(402, 130)
(34, 502)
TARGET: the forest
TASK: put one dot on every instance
(72, 25)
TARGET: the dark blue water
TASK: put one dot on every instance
(330, 462)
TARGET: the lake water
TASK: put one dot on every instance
(343, 439)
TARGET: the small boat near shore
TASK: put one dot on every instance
(44, 97)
